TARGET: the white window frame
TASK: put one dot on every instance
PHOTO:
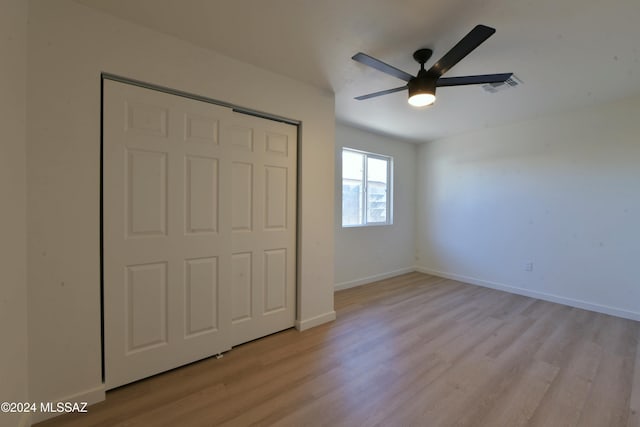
(389, 204)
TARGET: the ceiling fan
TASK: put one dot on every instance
(422, 87)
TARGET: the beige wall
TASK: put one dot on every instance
(69, 45)
(560, 192)
(13, 279)
(366, 254)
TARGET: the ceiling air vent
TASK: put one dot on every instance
(511, 82)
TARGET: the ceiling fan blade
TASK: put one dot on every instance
(473, 80)
(382, 92)
(365, 59)
(464, 47)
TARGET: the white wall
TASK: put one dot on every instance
(366, 254)
(69, 45)
(561, 192)
(13, 237)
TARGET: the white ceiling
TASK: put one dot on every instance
(568, 53)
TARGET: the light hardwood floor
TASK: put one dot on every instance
(414, 350)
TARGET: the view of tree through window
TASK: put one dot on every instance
(365, 188)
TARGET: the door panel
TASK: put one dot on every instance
(275, 280)
(201, 299)
(201, 201)
(242, 184)
(146, 306)
(276, 185)
(242, 286)
(146, 197)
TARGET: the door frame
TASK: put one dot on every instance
(236, 109)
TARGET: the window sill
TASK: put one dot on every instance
(367, 225)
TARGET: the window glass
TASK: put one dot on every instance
(377, 190)
(366, 196)
(352, 188)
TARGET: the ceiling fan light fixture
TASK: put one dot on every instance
(422, 91)
(422, 99)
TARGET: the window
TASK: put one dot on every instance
(366, 188)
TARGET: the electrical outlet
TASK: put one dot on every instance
(528, 266)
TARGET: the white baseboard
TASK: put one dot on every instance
(303, 325)
(91, 396)
(600, 308)
(374, 278)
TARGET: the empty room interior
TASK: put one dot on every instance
(308, 213)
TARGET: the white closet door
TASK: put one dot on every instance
(199, 222)
(264, 227)
(167, 232)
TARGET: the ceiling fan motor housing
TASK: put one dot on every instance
(422, 83)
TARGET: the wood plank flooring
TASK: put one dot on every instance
(414, 350)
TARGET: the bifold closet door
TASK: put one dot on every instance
(199, 230)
